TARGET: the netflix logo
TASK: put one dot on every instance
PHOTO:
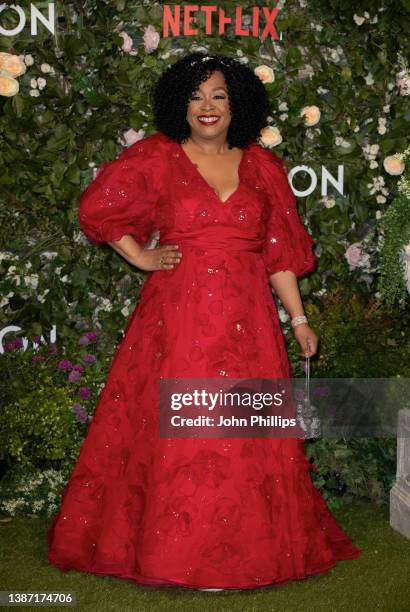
(182, 20)
(178, 20)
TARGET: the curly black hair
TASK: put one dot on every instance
(248, 100)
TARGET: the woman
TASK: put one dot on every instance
(201, 513)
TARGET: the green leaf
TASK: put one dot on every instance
(73, 174)
(18, 105)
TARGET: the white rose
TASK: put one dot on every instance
(311, 114)
(41, 83)
(265, 74)
(358, 20)
(33, 83)
(28, 60)
(34, 93)
(270, 136)
(334, 55)
(393, 165)
(330, 202)
(45, 68)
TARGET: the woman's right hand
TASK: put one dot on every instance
(150, 259)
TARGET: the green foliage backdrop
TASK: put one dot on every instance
(95, 92)
(84, 94)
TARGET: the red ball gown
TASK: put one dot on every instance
(216, 513)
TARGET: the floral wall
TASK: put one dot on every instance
(339, 84)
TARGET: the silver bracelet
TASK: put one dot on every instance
(298, 320)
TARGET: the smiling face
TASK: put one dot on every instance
(208, 111)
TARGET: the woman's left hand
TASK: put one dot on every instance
(306, 338)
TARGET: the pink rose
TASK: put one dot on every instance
(127, 44)
(151, 39)
(131, 136)
(354, 254)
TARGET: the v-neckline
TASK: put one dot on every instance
(211, 189)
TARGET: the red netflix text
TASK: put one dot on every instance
(182, 20)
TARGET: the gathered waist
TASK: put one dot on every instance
(213, 239)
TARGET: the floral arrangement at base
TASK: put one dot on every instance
(33, 492)
(48, 396)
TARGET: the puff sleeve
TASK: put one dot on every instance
(121, 199)
(287, 244)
